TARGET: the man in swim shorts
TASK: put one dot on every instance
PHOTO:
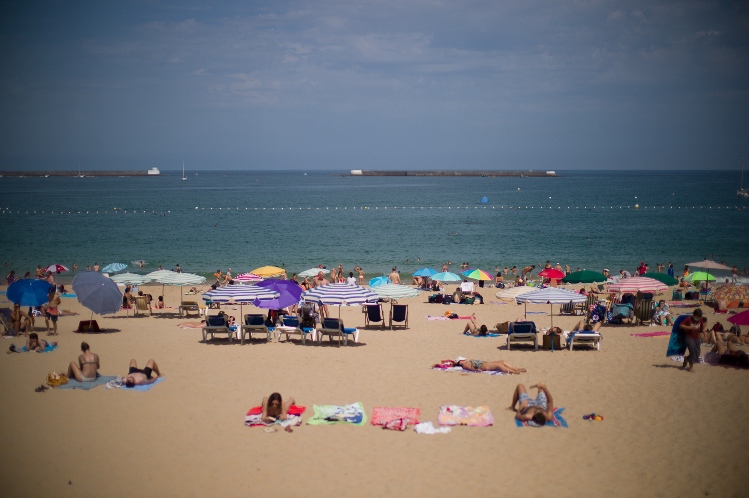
(534, 411)
(137, 377)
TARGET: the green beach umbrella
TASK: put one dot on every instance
(584, 277)
(700, 276)
(663, 277)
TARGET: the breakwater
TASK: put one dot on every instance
(482, 173)
(76, 173)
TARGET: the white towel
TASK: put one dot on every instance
(428, 428)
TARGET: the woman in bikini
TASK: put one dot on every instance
(274, 409)
(487, 366)
(473, 327)
(86, 368)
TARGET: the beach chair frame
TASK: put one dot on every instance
(208, 328)
(373, 312)
(291, 325)
(522, 332)
(255, 324)
(393, 318)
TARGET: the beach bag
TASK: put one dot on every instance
(55, 379)
(469, 300)
(439, 299)
(503, 327)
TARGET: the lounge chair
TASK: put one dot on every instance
(568, 308)
(308, 315)
(216, 324)
(190, 307)
(374, 315)
(142, 305)
(333, 327)
(587, 337)
(399, 315)
(584, 308)
(290, 325)
(522, 332)
(255, 324)
(5, 321)
(644, 311)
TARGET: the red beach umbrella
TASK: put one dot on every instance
(551, 273)
(56, 268)
(740, 318)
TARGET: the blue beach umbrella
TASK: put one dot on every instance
(289, 293)
(379, 281)
(447, 276)
(113, 267)
(29, 292)
(424, 272)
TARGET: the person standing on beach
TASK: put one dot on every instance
(734, 274)
(52, 311)
(96, 266)
(692, 327)
(394, 276)
(361, 276)
(670, 270)
(75, 267)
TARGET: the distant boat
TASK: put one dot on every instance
(742, 192)
(305, 174)
(183, 171)
(80, 172)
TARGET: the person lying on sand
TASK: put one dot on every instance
(33, 343)
(725, 353)
(487, 366)
(534, 411)
(137, 377)
(473, 328)
(85, 369)
(274, 409)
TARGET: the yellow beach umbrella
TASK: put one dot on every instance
(268, 271)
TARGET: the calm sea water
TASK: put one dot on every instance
(246, 219)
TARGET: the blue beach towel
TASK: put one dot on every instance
(489, 334)
(136, 388)
(677, 345)
(74, 384)
(557, 421)
(48, 349)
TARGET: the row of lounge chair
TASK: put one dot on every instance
(527, 332)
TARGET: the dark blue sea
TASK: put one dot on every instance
(247, 219)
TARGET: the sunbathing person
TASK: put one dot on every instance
(487, 366)
(534, 411)
(137, 377)
(661, 315)
(725, 353)
(586, 327)
(85, 369)
(20, 320)
(274, 409)
(33, 343)
(473, 328)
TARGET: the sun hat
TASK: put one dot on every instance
(459, 358)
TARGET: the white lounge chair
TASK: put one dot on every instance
(587, 337)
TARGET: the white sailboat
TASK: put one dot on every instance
(742, 192)
(183, 171)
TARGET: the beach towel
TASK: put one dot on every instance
(48, 349)
(74, 384)
(677, 345)
(398, 418)
(254, 417)
(535, 312)
(488, 334)
(556, 421)
(446, 368)
(441, 317)
(117, 383)
(428, 428)
(334, 414)
(479, 416)
(498, 302)
(651, 334)
(679, 304)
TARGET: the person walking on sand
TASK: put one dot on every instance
(692, 327)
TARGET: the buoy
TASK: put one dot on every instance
(637, 206)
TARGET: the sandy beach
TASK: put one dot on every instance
(666, 432)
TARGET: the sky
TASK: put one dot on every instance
(401, 84)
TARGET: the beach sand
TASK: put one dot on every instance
(666, 432)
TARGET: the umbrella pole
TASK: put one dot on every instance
(551, 314)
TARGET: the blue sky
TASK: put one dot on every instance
(403, 84)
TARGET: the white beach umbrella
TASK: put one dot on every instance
(395, 291)
(551, 296)
(312, 272)
(131, 279)
(511, 293)
(180, 279)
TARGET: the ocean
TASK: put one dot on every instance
(246, 219)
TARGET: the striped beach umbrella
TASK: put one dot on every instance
(477, 274)
(113, 267)
(130, 279)
(395, 291)
(551, 296)
(339, 294)
(634, 284)
(513, 292)
(239, 294)
(248, 278)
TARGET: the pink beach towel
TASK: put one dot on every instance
(480, 416)
(398, 418)
(651, 334)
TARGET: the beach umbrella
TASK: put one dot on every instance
(56, 268)
(513, 292)
(731, 292)
(340, 295)
(130, 279)
(477, 274)
(113, 267)
(97, 292)
(379, 281)
(634, 284)
(180, 279)
(268, 271)
(699, 276)
(155, 275)
(312, 272)
(425, 272)
(239, 294)
(584, 277)
(248, 278)
(551, 296)
(551, 273)
(289, 293)
(447, 276)
(708, 264)
(29, 292)
(395, 291)
(663, 277)
(740, 318)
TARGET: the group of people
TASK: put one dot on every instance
(86, 369)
